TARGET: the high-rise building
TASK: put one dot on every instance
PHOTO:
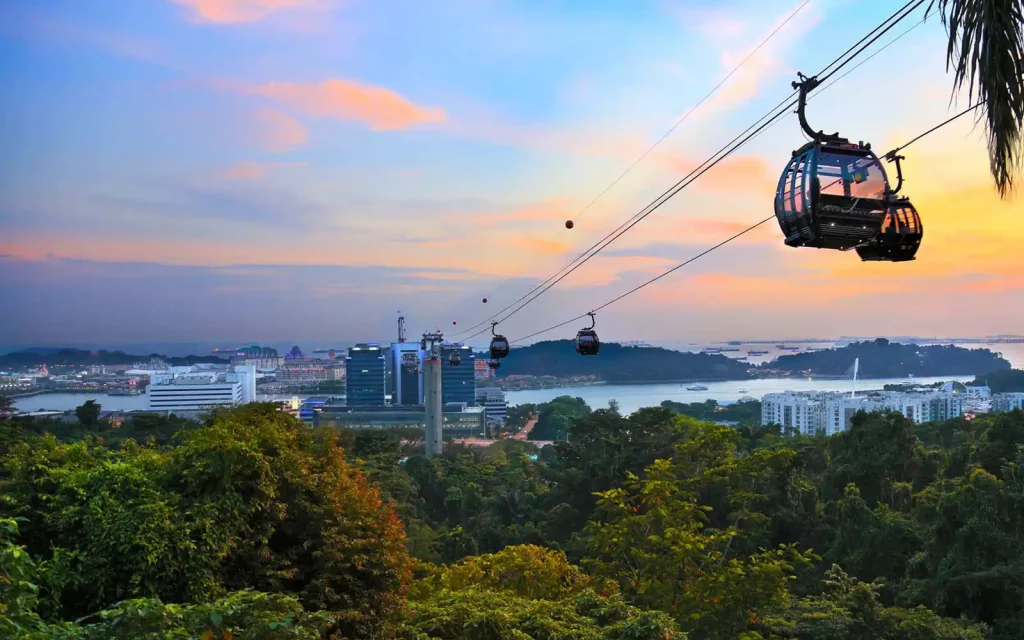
(493, 400)
(201, 387)
(366, 380)
(406, 381)
(458, 382)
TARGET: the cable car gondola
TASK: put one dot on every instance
(901, 229)
(454, 359)
(587, 343)
(493, 363)
(833, 194)
(499, 345)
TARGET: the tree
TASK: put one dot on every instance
(251, 500)
(652, 538)
(851, 610)
(526, 592)
(986, 51)
(6, 406)
(245, 614)
(88, 413)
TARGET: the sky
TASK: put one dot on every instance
(239, 171)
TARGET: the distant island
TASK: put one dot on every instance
(619, 364)
(82, 357)
(883, 359)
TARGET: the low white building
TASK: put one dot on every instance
(493, 400)
(1007, 401)
(831, 412)
(201, 387)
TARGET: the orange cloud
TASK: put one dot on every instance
(249, 170)
(551, 209)
(543, 246)
(1012, 283)
(234, 11)
(733, 174)
(381, 108)
(279, 131)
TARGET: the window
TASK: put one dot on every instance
(851, 176)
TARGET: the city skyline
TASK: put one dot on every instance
(191, 170)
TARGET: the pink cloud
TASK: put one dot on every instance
(234, 11)
(279, 131)
(381, 108)
(246, 170)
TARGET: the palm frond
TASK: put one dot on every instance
(986, 53)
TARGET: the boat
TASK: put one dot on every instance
(735, 342)
(728, 349)
(786, 347)
(757, 353)
(712, 350)
(743, 390)
(696, 387)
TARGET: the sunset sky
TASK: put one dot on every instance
(300, 170)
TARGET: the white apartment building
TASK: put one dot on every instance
(1007, 401)
(804, 412)
(493, 400)
(831, 412)
(201, 387)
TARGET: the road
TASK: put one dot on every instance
(525, 431)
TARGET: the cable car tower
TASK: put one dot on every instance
(430, 344)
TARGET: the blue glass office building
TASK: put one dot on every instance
(365, 376)
(458, 383)
(406, 381)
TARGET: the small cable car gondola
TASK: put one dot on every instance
(901, 229)
(587, 343)
(499, 344)
(454, 359)
(833, 194)
(493, 363)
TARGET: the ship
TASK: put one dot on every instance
(696, 387)
(786, 347)
(724, 349)
(757, 353)
(712, 350)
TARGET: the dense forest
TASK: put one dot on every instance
(745, 412)
(619, 364)
(1004, 381)
(883, 359)
(79, 357)
(650, 526)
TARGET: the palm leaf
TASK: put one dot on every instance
(986, 52)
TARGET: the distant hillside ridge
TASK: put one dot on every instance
(82, 357)
(883, 359)
(619, 364)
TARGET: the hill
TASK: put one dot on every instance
(81, 357)
(1003, 381)
(617, 363)
(883, 359)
